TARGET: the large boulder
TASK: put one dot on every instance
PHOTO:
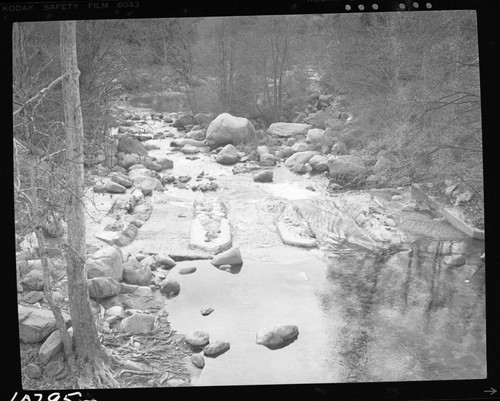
(138, 323)
(383, 163)
(52, 346)
(228, 155)
(347, 165)
(277, 335)
(170, 286)
(36, 324)
(288, 129)
(121, 179)
(103, 287)
(300, 147)
(106, 262)
(131, 146)
(297, 161)
(227, 129)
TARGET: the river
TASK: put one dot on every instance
(392, 314)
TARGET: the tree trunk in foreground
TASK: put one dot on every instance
(90, 356)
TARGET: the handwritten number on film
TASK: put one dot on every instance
(75, 396)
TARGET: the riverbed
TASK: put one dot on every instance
(382, 314)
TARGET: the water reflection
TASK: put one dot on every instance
(408, 315)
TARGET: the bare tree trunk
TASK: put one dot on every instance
(89, 353)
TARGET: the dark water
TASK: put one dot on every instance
(407, 315)
(167, 103)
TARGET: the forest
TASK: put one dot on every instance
(399, 91)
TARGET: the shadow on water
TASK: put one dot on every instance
(407, 314)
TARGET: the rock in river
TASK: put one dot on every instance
(215, 349)
(197, 338)
(130, 145)
(263, 176)
(228, 155)
(198, 360)
(230, 257)
(228, 129)
(170, 286)
(277, 336)
(103, 287)
(187, 270)
(206, 310)
(455, 260)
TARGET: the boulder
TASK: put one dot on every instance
(124, 202)
(164, 261)
(36, 324)
(116, 310)
(122, 180)
(140, 172)
(54, 368)
(198, 360)
(455, 260)
(228, 155)
(317, 120)
(300, 147)
(297, 161)
(347, 165)
(197, 338)
(267, 160)
(203, 119)
(183, 120)
(134, 273)
(103, 287)
(190, 149)
(170, 286)
(263, 176)
(262, 150)
(33, 297)
(114, 188)
(131, 146)
(216, 348)
(339, 149)
(148, 185)
(288, 129)
(52, 346)
(317, 138)
(137, 166)
(165, 163)
(230, 257)
(129, 160)
(33, 371)
(106, 262)
(198, 135)
(33, 281)
(137, 323)
(318, 163)
(227, 129)
(150, 164)
(277, 335)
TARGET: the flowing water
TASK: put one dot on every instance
(392, 314)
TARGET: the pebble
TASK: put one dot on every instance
(187, 270)
(206, 310)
